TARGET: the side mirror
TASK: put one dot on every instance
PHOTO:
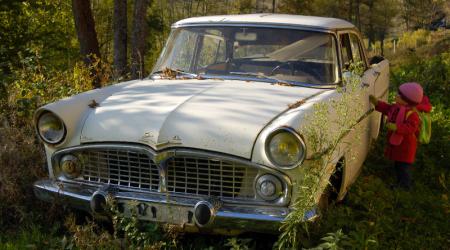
(376, 59)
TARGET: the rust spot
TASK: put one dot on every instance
(283, 84)
(169, 74)
(296, 104)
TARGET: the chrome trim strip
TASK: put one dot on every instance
(246, 218)
(164, 155)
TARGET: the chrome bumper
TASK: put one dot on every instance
(225, 218)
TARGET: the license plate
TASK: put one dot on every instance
(167, 213)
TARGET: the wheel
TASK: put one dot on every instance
(331, 192)
(325, 199)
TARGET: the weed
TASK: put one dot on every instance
(326, 127)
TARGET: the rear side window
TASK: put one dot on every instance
(356, 48)
(346, 50)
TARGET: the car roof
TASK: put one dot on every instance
(270, 19)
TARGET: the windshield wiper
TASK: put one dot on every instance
(262, 76)
(173, 73)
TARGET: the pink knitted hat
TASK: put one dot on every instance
(411, 92)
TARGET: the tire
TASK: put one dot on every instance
(331, 192)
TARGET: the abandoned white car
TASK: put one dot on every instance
(211, 140)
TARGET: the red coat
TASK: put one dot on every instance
(406, 151)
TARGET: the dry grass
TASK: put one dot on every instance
(21, 163)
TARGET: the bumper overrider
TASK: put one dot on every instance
(191, 214)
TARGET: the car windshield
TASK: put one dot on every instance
(276, 54)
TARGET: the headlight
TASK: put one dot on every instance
(268, 187)
(50, 128)
(285, 148)
(70, 166)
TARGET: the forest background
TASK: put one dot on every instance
(50, 49)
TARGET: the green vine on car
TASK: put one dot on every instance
(326, 127)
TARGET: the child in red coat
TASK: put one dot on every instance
(402, 124)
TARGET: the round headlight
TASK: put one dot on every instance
(51, 129)
(268, 187)
(285, 148)
(70, 166)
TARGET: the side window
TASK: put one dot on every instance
(346, 50)
(356, 48)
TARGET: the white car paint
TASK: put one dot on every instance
(270, 19)
(222, 116)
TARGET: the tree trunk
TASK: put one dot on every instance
(371, 30)
(120, 37)
(350, 11)
(87, 37)
(357, 14)
(138, 38)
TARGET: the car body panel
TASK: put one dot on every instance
(226, 115)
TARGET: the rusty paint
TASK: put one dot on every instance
(283, 84)
(169, 73)
(296, 104)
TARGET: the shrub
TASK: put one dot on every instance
(433, 74)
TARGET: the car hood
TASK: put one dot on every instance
(222, 116)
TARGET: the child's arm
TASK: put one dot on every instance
(410, 126)
(383, 107)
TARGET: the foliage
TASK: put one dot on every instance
(127, 231)
(414, 39)
(325, 129)
(21, 164)
(333, 241)
(35, 85)
(28, 25)
(88, 236)
(432, 74)
(238, 244)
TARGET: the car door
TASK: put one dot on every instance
(359, 137)
(380, 71)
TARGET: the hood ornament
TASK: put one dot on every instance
(175, 141)
(93, 104)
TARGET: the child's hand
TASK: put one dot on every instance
(373, 100)
(391, 126)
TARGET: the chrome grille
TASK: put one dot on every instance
(210, 177)
(125, 168)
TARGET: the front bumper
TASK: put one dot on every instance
(181, 211)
